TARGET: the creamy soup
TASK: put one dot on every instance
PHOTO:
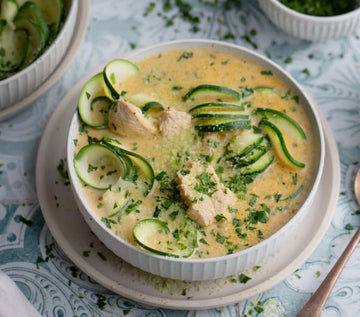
(223, 180)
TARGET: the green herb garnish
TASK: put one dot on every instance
(321, 7)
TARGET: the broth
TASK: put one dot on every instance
(260, 203)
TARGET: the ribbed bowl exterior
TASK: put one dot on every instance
(199, 269)
(311, 28)
(20, 85)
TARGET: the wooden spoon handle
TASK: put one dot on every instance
(317, 301)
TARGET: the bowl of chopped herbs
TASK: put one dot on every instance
(314, 20)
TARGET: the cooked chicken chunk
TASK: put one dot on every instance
(203, 193)
(127, 120)
(172, 122)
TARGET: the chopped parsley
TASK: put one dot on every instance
(205, 185)
(321, 7)
(101, 301)
(259, 308)
(185, 55)
(248, 38)
(150, 8)
(229, 36)
(243, 279)
(108, 222)
(132, 205)
(91, 168)
(288, 60)
(266, 72)
(160, 176)
(236, 222)
(101, 256)
(220, 217)
(349, 226)
(294, 179)
(306, 71)
(62, 169)
(26, 221)
(212, 144)
(240, 234)
(220, 238)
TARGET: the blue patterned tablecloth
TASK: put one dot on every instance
(329, 71)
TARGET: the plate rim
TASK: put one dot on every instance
(183, 304)
(76, 41)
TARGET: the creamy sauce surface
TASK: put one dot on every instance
(264, 202)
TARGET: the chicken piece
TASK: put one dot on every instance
(203, 193)
(127, 120)
(172, 122)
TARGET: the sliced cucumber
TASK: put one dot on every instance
(248, 91)
(221, 124)
(30, 10)
(151, 105)
(36, 34)
(286, 124)
(52, 14)
(115, 72)
(8, 9)
(213, 91)
(229, 115)
(294, 194)
(15, 46)
(99, 166)
(259, 166)
(242, 144)
(266, 89)
(117, 146)
(251, 157)
(155, 236)
(278, 143)
(145, 103)
(94, 102)
(101, 104)
(144, 168)
(131, 174)
(215, 107)
(3, 26)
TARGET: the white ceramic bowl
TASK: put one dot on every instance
(309, 27)
(199, 269)
(23, 83)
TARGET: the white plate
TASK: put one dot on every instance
(75, 42)
(74, 236)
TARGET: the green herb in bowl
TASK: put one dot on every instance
(321, 7)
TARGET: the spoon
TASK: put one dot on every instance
(317, 301)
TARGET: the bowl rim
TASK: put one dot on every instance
(70, 14)
(75, 183)
(313, 18)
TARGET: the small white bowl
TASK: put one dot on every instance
(308, 27)
(23, 83)
(211, 268)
